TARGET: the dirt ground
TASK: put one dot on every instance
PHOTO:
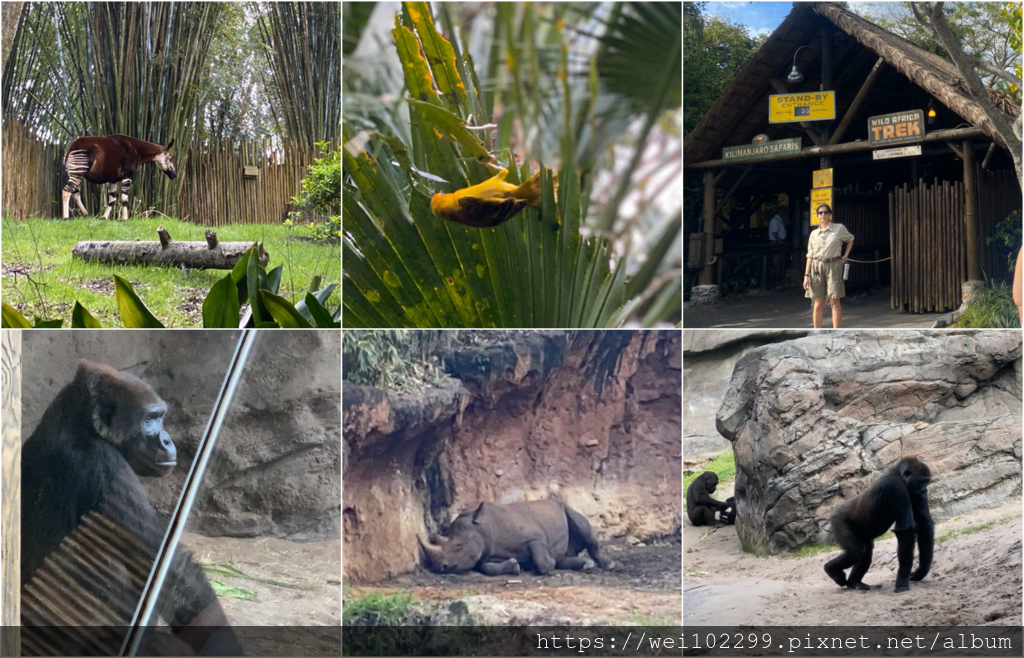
(316, 564)
(975, 580)
(787, 308)
(643, 587)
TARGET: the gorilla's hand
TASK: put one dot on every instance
(919, 574)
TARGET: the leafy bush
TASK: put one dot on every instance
(376, 609)
(1007, 238)
(394, 359)
(321, 194)
(993, 308)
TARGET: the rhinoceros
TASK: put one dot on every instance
(498, 539)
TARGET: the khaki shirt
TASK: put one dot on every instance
(828, 243)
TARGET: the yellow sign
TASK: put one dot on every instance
(812, 106)
(818, 197)
(822, 178)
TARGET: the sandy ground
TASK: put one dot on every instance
(259, 621)
(644, 585)
(787, 308)
(975, 580)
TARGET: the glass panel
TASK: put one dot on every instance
(266, 519)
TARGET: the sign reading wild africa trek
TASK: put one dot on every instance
(812, 106)
(896, 128)
(757, 151)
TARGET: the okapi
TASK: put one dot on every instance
(110, 160)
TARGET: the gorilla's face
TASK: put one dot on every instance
(917, 475)
(151, 452)
(128, 414)
(710, 481)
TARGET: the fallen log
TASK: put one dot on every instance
(208, 255)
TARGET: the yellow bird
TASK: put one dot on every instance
(489, 203)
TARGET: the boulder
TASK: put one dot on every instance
(815, 421)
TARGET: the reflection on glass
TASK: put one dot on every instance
(103, 471)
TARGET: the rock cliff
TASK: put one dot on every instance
(593, 417)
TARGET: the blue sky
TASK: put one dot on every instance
(761, 17)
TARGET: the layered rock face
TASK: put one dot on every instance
(709, 357)
(815, 421)
(594, 418)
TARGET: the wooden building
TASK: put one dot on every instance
(930, 212)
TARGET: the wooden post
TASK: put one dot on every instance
(971, 214)
(862, 96)
(826, 85)
(707, 276)
(894, 257)
(10, 495)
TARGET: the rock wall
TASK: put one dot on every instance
(593, 417)
(275, 471)
(709, 356)
(814, 421)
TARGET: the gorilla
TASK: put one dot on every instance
(901, 497)
(701, 507)
(87, 523)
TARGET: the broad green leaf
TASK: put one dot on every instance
(274, 279)
(444, 121)
(134, 314)
(439, 53)
(49, 324)
(81, 318)
(321, 318)
(12, 319)
(220, 308)
(252, 282)
(417, 73)
(221, 589)
(283, 312)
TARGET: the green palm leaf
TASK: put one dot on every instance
(404, 267)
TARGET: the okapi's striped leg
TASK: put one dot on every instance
(111, 198)
(76, 163)
(125, 185)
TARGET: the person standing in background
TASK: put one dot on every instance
(823, 274)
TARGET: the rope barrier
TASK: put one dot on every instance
(869, 261)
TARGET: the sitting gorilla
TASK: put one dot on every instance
(701, 507)
(899, 499)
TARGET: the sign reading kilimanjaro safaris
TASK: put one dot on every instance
(896, 128)
(812, 106)
(757, 151)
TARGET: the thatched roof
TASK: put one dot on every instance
(742, 110)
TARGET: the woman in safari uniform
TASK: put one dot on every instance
(823, 274)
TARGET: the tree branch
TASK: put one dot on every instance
(945, 36)
(974, 61)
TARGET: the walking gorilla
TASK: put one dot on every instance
(901, 497)
(701, 507)
(102, 431)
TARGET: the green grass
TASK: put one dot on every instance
(971, 529)
(642, 620)
(42, 281)
(807, 550)
(723, 465)
(992, 308)
(382, 609)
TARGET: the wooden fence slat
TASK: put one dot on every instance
(211, 188)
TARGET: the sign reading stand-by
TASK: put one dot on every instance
(812, 106)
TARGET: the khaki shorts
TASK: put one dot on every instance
(829, 281)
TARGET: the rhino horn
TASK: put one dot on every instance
(432, 552)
